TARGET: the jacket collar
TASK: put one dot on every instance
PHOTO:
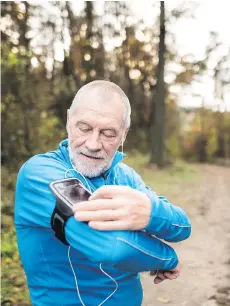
(63, 147)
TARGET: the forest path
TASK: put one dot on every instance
(205, 256)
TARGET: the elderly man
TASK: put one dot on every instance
(111, 237)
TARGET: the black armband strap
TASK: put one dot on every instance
(58, 221)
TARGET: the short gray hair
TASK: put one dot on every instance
(108, 87)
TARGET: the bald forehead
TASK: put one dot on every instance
(100, 103)
(99, 94)
(101, 100)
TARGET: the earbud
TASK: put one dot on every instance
(122, 143)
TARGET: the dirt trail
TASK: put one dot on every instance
(205, 278)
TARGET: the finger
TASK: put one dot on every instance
(161, 275)
(171, 275)
(96, 205)
(108, 192)
(157, 280)
(109, 225)
(152, 273)
(100, 215)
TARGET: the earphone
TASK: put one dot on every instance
(122, 144)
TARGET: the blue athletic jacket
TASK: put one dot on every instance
(106, 265)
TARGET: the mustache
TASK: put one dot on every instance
(90, 153)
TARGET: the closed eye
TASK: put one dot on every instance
(85, 129)
(109, 133)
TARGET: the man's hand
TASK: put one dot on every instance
(161, 275)
(115, 208)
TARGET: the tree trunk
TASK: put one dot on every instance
(157, 138)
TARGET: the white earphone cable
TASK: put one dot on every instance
(75, 277)
(112, 280)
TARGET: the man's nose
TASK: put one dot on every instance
(93, 143)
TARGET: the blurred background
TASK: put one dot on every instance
(172, 59)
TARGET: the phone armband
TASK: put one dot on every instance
(68, 192)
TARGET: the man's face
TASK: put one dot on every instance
(95, 130)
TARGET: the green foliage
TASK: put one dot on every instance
(207, 139)
(14, 287)
(7, 185)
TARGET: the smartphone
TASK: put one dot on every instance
(69, 192)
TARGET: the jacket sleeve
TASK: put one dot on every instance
(126, 250)
(167, 221)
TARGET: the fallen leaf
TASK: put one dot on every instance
(163, 300)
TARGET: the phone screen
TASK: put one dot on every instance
(70, 190)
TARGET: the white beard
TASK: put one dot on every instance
(89, 169)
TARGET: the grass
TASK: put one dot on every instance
(167, 181)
